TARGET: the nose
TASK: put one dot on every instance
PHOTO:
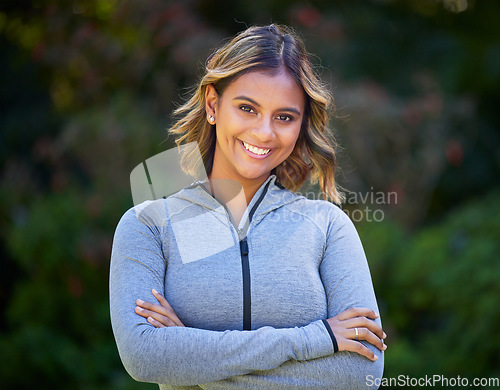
(263, 130)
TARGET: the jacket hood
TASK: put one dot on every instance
(270, 196)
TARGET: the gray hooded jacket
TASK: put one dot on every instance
(253, 299)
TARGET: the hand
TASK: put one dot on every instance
(344, 328)
(160, 316)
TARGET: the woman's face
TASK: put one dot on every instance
(258, 120)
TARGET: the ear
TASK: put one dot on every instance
(211, 101)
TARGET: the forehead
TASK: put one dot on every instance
(268, 89)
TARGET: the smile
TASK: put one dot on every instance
(254, 149)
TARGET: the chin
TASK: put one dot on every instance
(254, 175)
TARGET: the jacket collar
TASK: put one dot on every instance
(270, 196)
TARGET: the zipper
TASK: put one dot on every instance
(245, 268)
(245, 264)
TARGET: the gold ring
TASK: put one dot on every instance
(357, 334)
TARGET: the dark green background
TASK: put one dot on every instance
(87, 91)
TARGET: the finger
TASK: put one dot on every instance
(153, 307)
(357, 312)
(156, 316)
(166, 305)
(354, 346)
(340, 331)
(363, 322)
(142, 312)
(161, 299)
(164, 320)
(156, 324)
(365, 334)
(171, 313)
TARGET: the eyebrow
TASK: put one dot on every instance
(288, 109)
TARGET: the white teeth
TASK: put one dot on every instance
(255, 150)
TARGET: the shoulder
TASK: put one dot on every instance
(317, 208)
(158, 213)
(324, 214)
(150, 213)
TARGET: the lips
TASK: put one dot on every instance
(255, 151)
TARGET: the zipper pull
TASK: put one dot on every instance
(244, 247)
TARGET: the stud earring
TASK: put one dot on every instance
(211, 118)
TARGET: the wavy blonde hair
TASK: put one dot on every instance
(269, 48)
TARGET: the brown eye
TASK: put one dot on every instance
(284, 118)
(247, 109)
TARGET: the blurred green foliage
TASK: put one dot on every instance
(440, 292)
(86, 89)
(57, 318)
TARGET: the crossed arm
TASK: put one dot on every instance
(162, 350)
(326, 372)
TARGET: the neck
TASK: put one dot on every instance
(236, 195)
(226, 189)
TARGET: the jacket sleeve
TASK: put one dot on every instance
(184, 355)
(347, 281)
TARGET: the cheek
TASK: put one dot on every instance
(290, 138)
(232, 125)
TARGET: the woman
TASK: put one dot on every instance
(217, 288)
